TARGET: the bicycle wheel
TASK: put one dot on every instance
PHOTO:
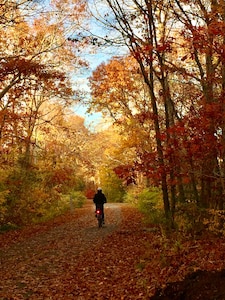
(99, 222)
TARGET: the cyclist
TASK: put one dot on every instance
(99, 200)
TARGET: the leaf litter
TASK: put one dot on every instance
(70, 258)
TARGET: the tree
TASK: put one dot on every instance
(32, 69)
(180, 50)
(204, 40)
(118, 90)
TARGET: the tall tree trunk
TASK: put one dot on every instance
(147, 69)
(150, 82)
(209, 169)
(222, 99)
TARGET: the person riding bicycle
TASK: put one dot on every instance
(99, 200)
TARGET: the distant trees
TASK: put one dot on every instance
(119, 91)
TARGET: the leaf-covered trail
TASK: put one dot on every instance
(68, 259)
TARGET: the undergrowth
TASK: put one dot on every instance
(189, 219)
(149, 202)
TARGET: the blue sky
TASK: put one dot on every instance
(94, 56)
(91, 120)
(94, 60)
(82, 81)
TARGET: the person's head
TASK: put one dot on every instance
(99, 190)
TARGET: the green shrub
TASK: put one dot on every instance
(149, 200)
(150, 203)
(131, 196)
(77, 199)
(48, 206)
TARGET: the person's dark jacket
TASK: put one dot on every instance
(99, 199)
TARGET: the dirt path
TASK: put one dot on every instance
(34, 266)
(71, 258)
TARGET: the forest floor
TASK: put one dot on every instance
(70, 258)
